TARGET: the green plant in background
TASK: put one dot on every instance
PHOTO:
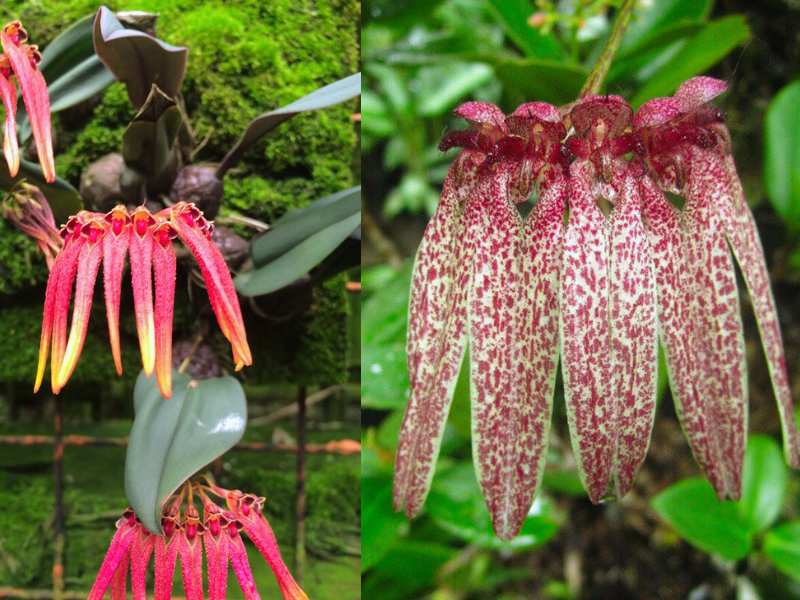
(748, 529)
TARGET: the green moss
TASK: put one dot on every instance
(21, 263)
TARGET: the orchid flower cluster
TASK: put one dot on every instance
(187, 537)
(604, 267)
(19, 61)
(90, 238)
(28, 209)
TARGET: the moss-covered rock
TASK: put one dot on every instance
(245, 57)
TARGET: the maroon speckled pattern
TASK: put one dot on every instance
(436, 336)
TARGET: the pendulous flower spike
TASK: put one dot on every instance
(115, 248)
(190, 550)
(141, 550)
(166, 555)
(23, 59)
(8, 94)
(118, 551)
(241, 566)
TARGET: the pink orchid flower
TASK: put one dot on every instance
(28, 209)
(91, 238)
(186, 539)
(19, 61)
(627, 269)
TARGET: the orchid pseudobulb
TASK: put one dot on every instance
(91, 238)
(19, 61)
(602, 268)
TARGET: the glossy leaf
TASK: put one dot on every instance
(763, 484)
(380, 525)
(298, 261)
(172, 439)
(692, 509)
(149, 141)
(138, 59)
(513, 15)
(782, 547)
(651, 18)
(547, 81)
(782, 154)
(331, 94)
(700, 52)
(442, 86)
(297, 225)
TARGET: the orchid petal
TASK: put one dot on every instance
(258, 530)
(191, 553)
(716, 301)
(608, 336)
(34, 94)
(219, 284)
(164, 269)
(513, 340)
(141, 550)
(118, 551)
(436, 335)
(742, 235)
(63, 295)
(216, 550)
(697, 91)
(115, 247)
(8, 93)
(65, 262)
(240, 564)
(141, 253)
(166, 555)
(88, 265)
(119, 583)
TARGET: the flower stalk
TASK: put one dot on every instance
(603, 64)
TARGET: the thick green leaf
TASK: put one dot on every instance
(137, 59)
(692, 509)
(380, 525)
(456, 505)
(651, 18)
(763, 484)
(148, 144)
(70, 47)
(548, 81)
(334, 93)
(172, 439)
(297, 225)
(298, 261)
(782, 154)
(64, 199)
(782, 547)
(442, 86)
(700, 52)
(513, 15)
(414, 563)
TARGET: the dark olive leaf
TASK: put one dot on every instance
(346, 256)
(71, 47)
(172, 439)
(137, 59)
(513, 15)
(148, 143)
(297, 225)
(331, 94)
(297, 261)
(782, 154)
(62, 197)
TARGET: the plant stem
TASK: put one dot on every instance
(600, 70)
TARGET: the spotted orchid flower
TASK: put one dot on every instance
(19, 61)
(91, 238)
(686, 150)
(189, 541)
(485, 275)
